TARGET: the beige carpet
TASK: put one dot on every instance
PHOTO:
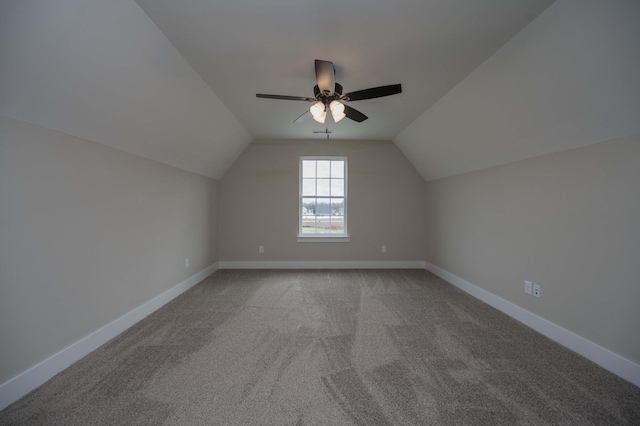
(367, 347)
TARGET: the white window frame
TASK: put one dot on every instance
(324, 238)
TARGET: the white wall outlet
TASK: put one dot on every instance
(384, 249)
(186, 263)
(527, 287)
(536, 290)
(260, 249)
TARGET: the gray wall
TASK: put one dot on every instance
(568, 221)
(259, 203)
(88, 233)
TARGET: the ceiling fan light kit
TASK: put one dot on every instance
(320, 118)
(317, 109)
(338, 117)
(328, 95)
(336, 108)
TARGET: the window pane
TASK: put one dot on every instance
(337, 206)
(337, 215)
(323, 224)
(309, 168)
(323, 207)
(308, 226)
(323, 187)
(308, 187)
(308, 206)
(337, 169)
(308, 215)
(324, 168)
(337, 187)
(337, 224)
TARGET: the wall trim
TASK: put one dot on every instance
(17, 387)
(608, 360)
(321, 264)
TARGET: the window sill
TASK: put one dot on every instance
(324, 239)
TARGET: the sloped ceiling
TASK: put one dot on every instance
(485, 83)
(244, 47)
(103, 71)
(570, 79)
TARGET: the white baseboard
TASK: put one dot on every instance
(17, 387)
(320, 264)
(618, 365)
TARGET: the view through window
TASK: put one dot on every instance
(323, 196)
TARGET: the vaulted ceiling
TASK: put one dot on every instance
(244, 47)
(485, 83)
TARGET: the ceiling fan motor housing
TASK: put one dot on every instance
(328, 97)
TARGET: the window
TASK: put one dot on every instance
(323, 198)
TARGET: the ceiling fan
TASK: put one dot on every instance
(328, 96)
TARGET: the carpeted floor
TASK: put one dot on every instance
(367, 347)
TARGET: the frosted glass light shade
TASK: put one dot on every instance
(338, 117)
(321, 117)
(317, 109)
(337, 108)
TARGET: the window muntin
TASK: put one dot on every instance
(323, 197)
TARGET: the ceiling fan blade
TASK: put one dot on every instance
(326, 76)
(286, 98)
(304, 117)
(374, 92)
(354, 114)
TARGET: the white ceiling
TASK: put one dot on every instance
(485, 82)
(244, 47)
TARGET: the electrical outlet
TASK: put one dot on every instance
(527, 287)
(536, 290)
(384, 249)
(260, 249)
(186, 263)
